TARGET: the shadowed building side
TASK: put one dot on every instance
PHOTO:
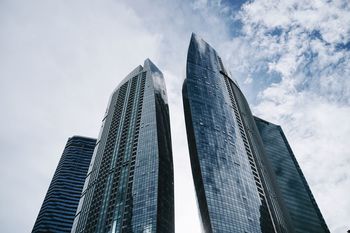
(296, 194)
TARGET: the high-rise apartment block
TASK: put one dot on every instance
(61, 201)
(129, 185)
(236, 186)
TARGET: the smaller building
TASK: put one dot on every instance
(61, 201)
(295, 192)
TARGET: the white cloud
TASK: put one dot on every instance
(317, 131)
(60, 61)
(299, 41)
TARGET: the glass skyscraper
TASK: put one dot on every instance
(129, 185)
(61, 201)
(296, 194)
(236, 188)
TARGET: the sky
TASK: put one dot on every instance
(61, 60)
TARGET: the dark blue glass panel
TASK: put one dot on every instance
(296, 194)
(226, 187)
(61, 201)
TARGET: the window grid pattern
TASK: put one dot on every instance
(153, 195)
(115, 168)
(121, 201)
(145, 191)
(104, 169)
(279, 214)
(128, 158)
(265, 212)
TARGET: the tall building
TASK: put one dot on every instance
(243, 168)
(129, 185)
(61, 201)
(235, 189)
(296, 194)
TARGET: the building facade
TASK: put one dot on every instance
(129, 185)
(235, 189)
(296, 194)
(61, 201)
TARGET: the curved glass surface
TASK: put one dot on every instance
(227, 187)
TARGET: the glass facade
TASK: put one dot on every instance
(235, 190)
(129, 185)
(61, 201)
(296, 194)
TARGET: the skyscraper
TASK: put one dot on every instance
(235, 187)
(61, 201)
(296, 194)
(129, 185)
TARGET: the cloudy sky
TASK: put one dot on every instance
(60, 61)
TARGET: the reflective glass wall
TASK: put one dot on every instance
(129, 187)
(296, 194)
(231, 188)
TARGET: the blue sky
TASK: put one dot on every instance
(60, 61)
